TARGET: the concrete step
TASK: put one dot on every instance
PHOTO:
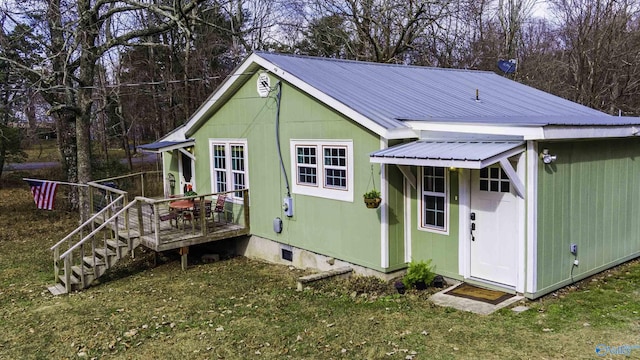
(341, 271)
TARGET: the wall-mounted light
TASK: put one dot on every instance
(172, 181)
(546, 157)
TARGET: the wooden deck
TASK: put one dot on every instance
(161, 235)
(122, 221)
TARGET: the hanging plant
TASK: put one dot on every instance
(372, 199)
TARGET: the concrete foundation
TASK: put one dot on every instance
(271, 251)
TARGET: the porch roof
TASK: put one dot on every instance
(473, 154)
(161, 146)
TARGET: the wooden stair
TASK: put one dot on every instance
(92, 267)
(93, 255)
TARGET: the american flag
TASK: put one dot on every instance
(44, 193)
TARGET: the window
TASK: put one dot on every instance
(307, 165)
(494, 179)
(229, 166)
(323, 168)
(434, 201)
(335, 167)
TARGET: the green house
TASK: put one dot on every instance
(499, 184)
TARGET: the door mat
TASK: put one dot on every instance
(468, 291)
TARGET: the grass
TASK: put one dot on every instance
(47, 151)
(240, 308)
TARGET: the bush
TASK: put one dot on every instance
(419, 273)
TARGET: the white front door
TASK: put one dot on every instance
(494, 224)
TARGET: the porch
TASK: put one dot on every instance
(131, 210)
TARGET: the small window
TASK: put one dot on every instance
(323, 168)
(307, 165)
(434, 203)
(494, 179)
(335, 167)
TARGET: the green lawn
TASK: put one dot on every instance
(240, 308)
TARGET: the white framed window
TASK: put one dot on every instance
(323, 168)
(229, 166)
(434, 200)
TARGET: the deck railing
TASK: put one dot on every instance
(116, 215)
(150, 224)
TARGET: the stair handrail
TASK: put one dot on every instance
(79, 228)
(91, 234)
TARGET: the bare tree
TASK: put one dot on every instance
(76, 35)
(601, 45)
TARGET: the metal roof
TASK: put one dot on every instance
(463, 154)
(388, 94)
(160, 146)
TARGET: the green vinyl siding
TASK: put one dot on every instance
(440, 248)
(589, 196)
(395, 199)
(345, 230)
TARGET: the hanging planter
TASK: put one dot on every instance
(372, 199)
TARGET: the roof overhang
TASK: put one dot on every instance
(162, 146)
(532, 132)
(459, 154)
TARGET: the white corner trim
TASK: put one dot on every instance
(464, 206)
(532, 211)
(384, 212)
(407, 220)
(521, 247)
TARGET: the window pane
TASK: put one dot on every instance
(505, 186)
(221, 181)
(219, 157)
(430, 218)
(336, 178)
(306, 155)
(439, 184)
(494, 186)
(495, 172)
(307, 175)
(238, 184)
(484, 173)
(237, 157)
(484, 185)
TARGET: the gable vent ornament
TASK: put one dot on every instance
(264, 85)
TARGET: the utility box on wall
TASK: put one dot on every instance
(287, 206)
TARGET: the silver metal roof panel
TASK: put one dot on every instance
(467, 154)
(388, 94)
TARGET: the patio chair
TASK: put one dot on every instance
(170, 215)
(193, 215)
(221, 208)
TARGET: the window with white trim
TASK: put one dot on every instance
(323, 168)
(434, 200)
(229, 166)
